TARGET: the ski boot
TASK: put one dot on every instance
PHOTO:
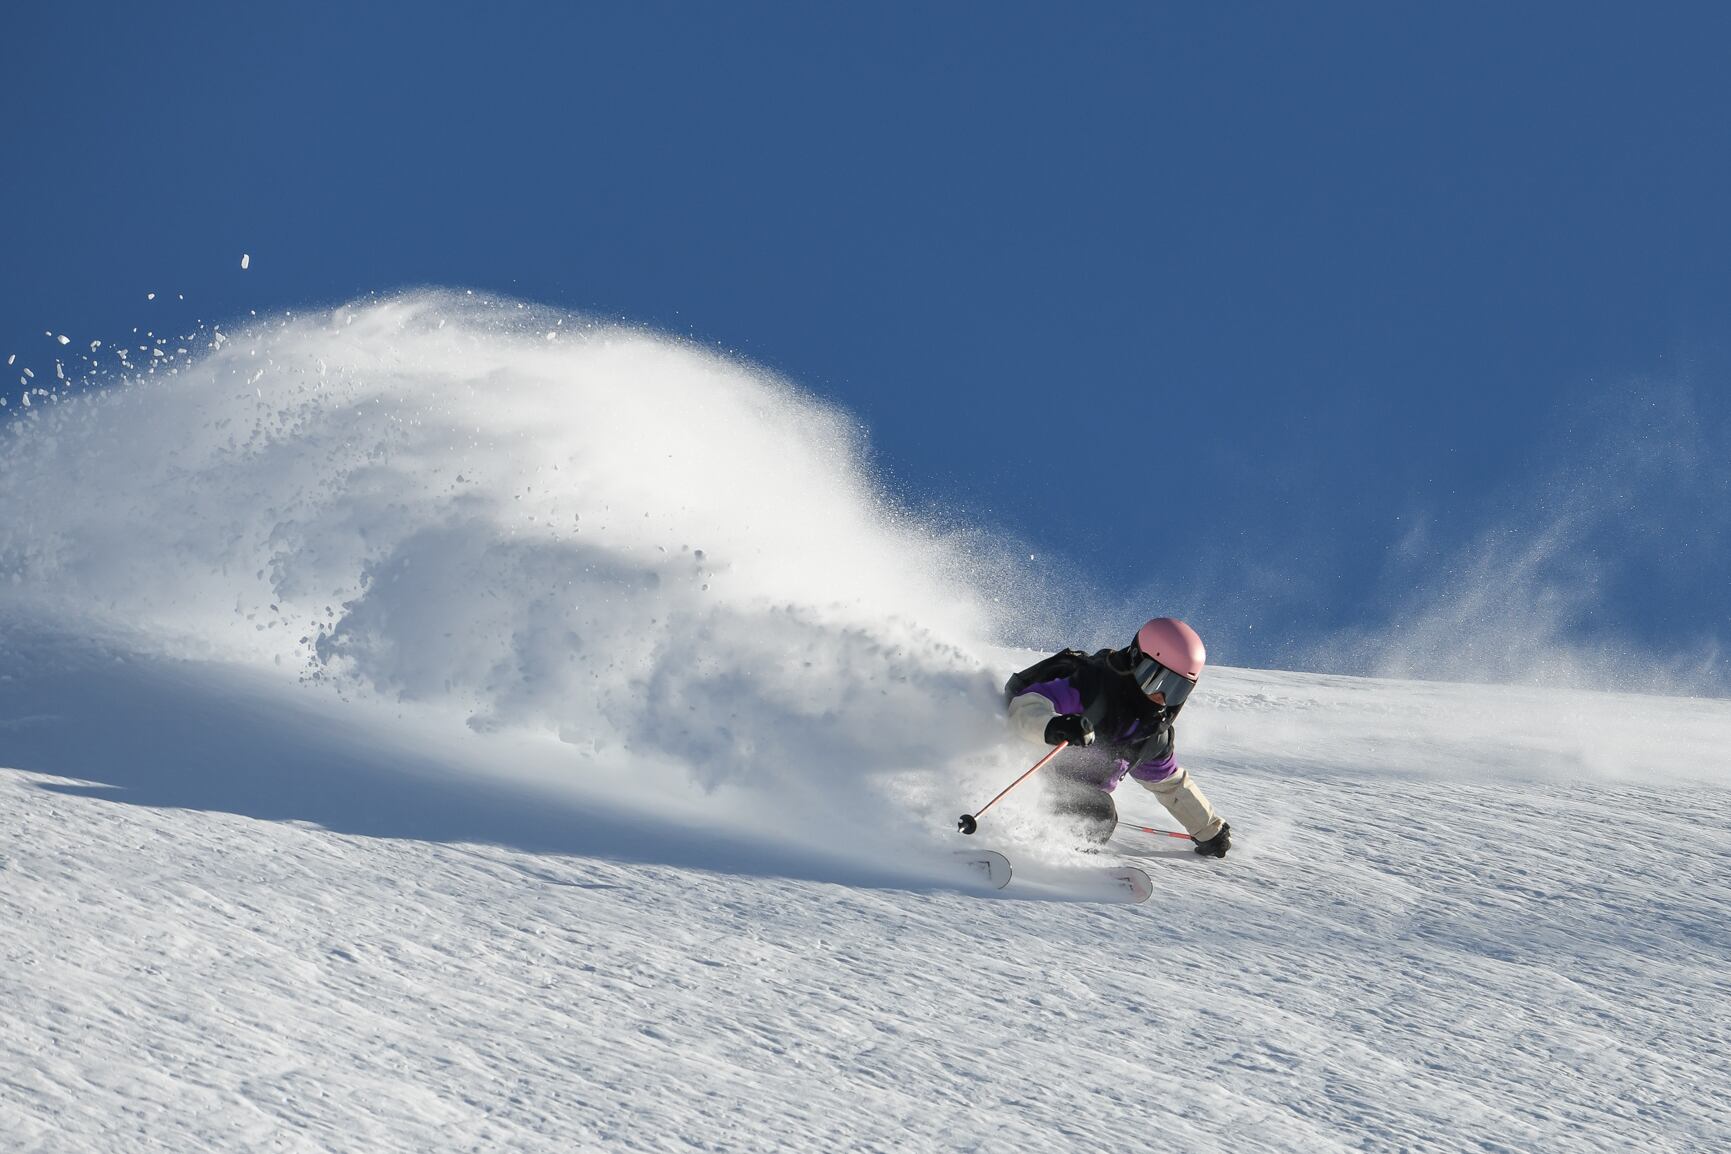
(1217, 845)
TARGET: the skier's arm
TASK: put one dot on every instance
(1029, 715)
(1033, 712)
(1052, 668)
(1033, 718)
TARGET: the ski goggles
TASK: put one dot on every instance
(1153, 677)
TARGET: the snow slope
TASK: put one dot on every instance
(390, 770)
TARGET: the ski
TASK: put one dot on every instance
(1109, 883)
(1113, 883)
(986, 865)
(1135, 881)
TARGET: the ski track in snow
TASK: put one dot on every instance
(1493, 966)
(429, 736)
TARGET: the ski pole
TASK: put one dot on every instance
(968, 823)
(1151, 829)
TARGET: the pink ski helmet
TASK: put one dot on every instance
(1167, 658)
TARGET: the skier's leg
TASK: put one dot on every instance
(1089, 806)
(1186, 802)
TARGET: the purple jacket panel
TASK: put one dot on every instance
(1157, 770)
(1065, 698)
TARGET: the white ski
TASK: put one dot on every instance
(987, 865)
(1103, 883)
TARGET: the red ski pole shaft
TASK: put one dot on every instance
(969, 820)
(1151, 829)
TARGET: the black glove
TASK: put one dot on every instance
(1070, 727)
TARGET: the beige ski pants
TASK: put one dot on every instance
(1186, 802)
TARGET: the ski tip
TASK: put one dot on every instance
(989, 866)
(1136, 882)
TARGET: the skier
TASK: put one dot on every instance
(1116, 709)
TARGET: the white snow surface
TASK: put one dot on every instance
(455, 740)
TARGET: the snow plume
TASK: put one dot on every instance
(672, 563)
(1635, 510)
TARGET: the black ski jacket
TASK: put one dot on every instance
(1128, 727)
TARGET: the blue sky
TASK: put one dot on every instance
(1293, 319)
